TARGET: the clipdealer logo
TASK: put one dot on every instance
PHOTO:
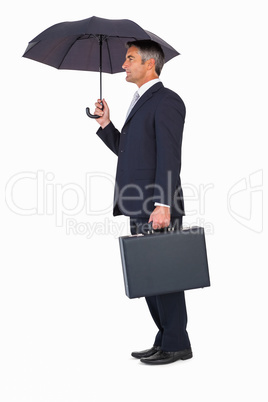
(37, 193)
(245, 201)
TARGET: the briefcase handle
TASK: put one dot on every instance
(169, 228)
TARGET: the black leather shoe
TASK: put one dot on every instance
(168, 357)
(146, 353)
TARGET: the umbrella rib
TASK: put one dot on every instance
(69, 48)
(109, 54)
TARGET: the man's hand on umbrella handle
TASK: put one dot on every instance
(103, 111)
(160, 217)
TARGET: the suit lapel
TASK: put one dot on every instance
(144, 98)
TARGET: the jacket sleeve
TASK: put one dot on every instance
(169, 123)
(110, 136)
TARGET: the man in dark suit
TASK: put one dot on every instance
(148, 187)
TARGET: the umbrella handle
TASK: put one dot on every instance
(92, 116)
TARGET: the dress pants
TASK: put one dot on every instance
(168, 311)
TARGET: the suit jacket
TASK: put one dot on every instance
(149, 154)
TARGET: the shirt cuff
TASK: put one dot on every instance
(157, 204)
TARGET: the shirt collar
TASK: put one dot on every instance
(147, 85)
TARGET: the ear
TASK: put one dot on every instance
(151, 64)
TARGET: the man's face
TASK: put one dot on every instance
(136, 71)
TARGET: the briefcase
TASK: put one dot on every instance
(164, 262)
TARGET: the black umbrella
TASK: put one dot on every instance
(93, 44)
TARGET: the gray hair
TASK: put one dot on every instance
(149, 49)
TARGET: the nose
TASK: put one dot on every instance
(124, 66)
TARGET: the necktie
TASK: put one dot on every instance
(133, 102)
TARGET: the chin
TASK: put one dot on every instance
(128, 79)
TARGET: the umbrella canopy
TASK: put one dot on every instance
(92, 44)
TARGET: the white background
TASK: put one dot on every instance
(67, 328)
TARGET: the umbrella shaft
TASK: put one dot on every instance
(100, 43)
